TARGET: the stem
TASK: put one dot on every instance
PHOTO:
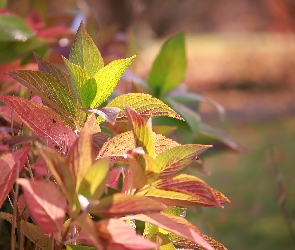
(282, 196)
(15, 210)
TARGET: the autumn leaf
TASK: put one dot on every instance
(9, 162)
(121, 204)
(46, 203)
(174, 224)
(43, 121)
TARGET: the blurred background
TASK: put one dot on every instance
(241, 54)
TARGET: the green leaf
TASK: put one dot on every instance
(85, 54)
(60, 170)
(14, 50)
(169, 67)
(93, 183)
(14, 28)
(107, 79)
(191, 117)
(178, 158)
(142, 133)
(219, 135)
(144, 104)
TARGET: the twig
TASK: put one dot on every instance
(282, 195)
(15, 211)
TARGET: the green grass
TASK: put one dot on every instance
(253, 220)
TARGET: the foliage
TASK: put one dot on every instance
(81, 188)
(164, 82)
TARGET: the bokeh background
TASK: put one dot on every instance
(239, 53)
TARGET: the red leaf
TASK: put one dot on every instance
(43, 121)
(174, 224)
(8, 165)
(113, 178)
(46, 203)
(119, 235)
(122, 204)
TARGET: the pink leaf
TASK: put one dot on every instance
(47, 124)
(8, 165)
(121, 236)
(113, 178)
(46, 203)
(174, 224)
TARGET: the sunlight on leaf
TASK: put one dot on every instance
(178, 158)
(174, 224)
(43, 121)
(84, 52)
(92, 185)
(107, 79)
(144, 104)
(46, 203)
(121, 204)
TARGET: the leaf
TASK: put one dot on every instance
(121, 204)
(196, 189)
(144, 104)
(174, 224)
(80, 81)
(92, 185)
(13, 141)
(220, 196)
(32, 232)
(60, 170)
(46, 203)
(169, 67)
(142, 133)
(84, 53)
(43, 121)
(79, 247)
(13, 28)
(190, 116)
(87, 225)
(57, 73)
(116, 147)
(107, 79)
(113, 178)
(11, 51)
(48, 88)
(9, 162)
(108, 114)
(98, 140)
(80, 158)
(119, 235)
(215, 133)
(178, 158)
(191, 97)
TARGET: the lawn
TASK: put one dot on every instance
(253, 220)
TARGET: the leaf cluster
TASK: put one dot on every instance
(80, 186)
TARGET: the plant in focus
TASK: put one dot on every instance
(72, 185)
